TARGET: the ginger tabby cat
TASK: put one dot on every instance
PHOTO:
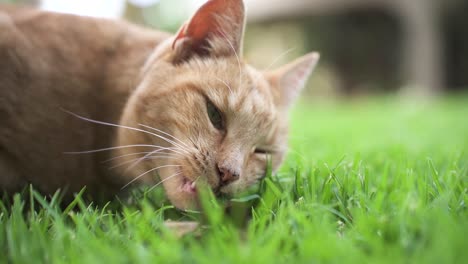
(79, 95)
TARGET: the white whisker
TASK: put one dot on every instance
(277, 58)
(125, 155)
(197, 179)
(146, 172)
(132, 160)
(121, 126)
(168, 178)
(227, 85)
(144, 157)
(235, 53)
(160, 131)
(111, 148)
(297, 153)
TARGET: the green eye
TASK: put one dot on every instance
(215, 115)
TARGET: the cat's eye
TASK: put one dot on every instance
(215, 115)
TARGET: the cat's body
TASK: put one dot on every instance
(54, 67)
(50, 62)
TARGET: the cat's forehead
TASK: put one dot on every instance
(237, 89)
(234, 85)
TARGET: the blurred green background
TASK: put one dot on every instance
(417, 47)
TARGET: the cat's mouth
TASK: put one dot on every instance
(188, 186)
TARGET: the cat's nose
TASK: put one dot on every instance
(227, 175)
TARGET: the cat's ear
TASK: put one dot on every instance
(290, 79)
(216, 29)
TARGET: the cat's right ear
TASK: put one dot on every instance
(216, 29)
(288, 81)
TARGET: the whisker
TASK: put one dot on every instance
(146, 172)
(274, 61)
(278, 58)
(160, 131)
(132, 160)
(191, 140)
(116, 125)
(110, 148)
(235, 53)
(144, 157)
(229, 87)
(125, 155)
(297, 153)
(197, 179)
(160, 182)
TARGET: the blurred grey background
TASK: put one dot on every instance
(417, 47)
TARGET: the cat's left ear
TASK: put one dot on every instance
(291, 78)
(216, 29)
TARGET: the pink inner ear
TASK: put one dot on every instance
(180, 34)
(300, 75)
(297, 76)
(204, 22)
(294, 76)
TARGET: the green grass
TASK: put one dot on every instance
(376, 181)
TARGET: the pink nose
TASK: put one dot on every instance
(227, 175)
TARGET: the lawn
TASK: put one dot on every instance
(368, 181)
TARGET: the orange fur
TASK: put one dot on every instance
(136, 78)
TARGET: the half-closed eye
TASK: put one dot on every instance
(215, 116)
(262, 151)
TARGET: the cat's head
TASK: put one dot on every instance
(214, 118)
